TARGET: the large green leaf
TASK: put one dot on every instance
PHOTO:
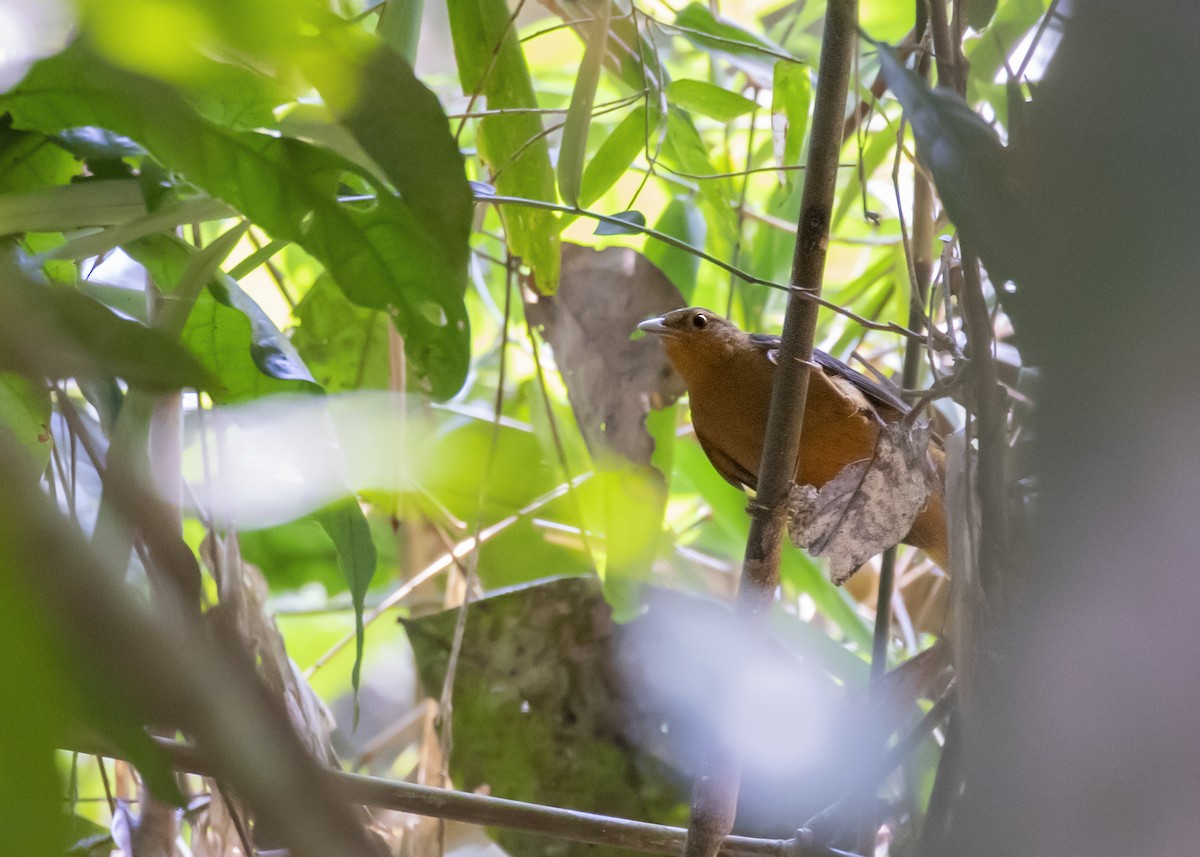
(382, 255)
(491, 63)
(344, 345)
(691, 156)
(399, 122)
(32, 161)
(968, 162)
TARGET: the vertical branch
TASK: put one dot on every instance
(920, 254)
(714, 800)
(985, 395)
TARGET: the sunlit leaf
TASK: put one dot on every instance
(709, 32)
(682, 220)
(491, 63)
(986, 56)
(791, 96)
(691, 155)
(382, 256)
(32, 161)
(616, 153)
(25, 411)
(225, 329)
(698, 96)
(345, 346)
(573, 149)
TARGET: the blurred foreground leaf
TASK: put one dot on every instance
(381, 254)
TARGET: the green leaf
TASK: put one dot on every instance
(382, 255)
(25, 411)
(73, 206)
(708, 32)
(344, 345)
(226, 331)
(58, 332)
(1013, 19)
(346, 526)
(791, 96)
(697, 96)
(979, 13)
(616, 153)
(400, 123)
(680, 219)
(691, 155)
(969, 165)
(200, 268)
(634, 218)
(491, 63)
(573, 149)
(32, 161)
(272, 352)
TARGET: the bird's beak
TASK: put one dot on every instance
(655, 325)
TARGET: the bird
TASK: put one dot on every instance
(728, 374)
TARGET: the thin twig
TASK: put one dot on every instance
(446, 700)
(821, 824)
(461, 549)
(511, 814)
(745, 276)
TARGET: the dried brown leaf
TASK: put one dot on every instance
(868, 507)
(612, 381)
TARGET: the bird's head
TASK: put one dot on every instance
(695, 325)
(697, 339)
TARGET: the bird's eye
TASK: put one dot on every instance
(699, 320)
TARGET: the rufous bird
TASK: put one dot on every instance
(729, 374)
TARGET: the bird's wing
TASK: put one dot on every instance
(730, 470)
(875, 392)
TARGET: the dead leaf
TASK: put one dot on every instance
(868, 507)
(612, 381)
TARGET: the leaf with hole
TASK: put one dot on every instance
(384, 256)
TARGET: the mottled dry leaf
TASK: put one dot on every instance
(612, 381)
(868, 507)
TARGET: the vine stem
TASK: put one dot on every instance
(473, 808)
